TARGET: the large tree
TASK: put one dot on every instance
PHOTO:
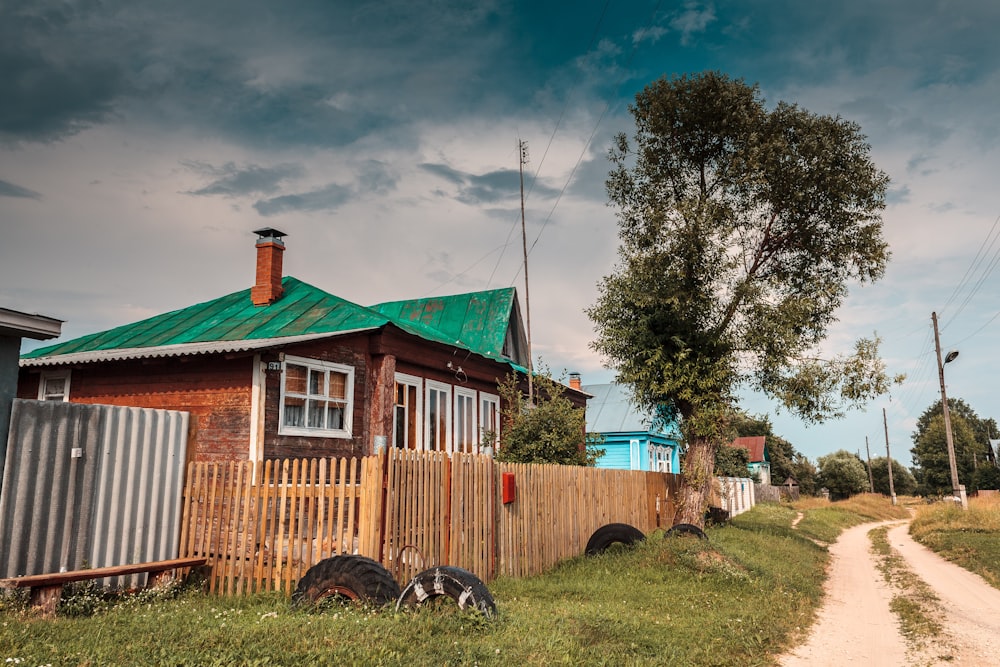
(903, 482)
(970, 435)
(740, 229)
(843, 474)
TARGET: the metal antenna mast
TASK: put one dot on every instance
(522, 148)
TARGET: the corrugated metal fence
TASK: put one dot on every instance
(90, 485)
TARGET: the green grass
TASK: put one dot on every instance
(913, 601)
(824, 520)
(741, 598)
(968, 538)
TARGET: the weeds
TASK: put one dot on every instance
(966, 537)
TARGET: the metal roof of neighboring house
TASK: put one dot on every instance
(756, 445)
(232, 323)
(612, 410)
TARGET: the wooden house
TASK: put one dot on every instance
(634, 439)
(760, 458)
(285, 369)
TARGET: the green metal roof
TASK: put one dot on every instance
(476, 321)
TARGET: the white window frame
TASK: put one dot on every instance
(468, 397)
(418, 383)
(635, 459)
(325, 367)
(445, 401)
(484, 419)
(65, 375)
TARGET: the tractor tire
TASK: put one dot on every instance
(687, 529)
(460, 585)
(355, 578)
(612, 533)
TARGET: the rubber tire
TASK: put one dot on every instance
(613, 533)
(687, 529)
(460, 585)
(355, 577)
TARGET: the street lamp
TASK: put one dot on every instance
(957, 489)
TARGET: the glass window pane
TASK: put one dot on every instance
(295, 379)
(338, 385)
(335, 416)
(295, 414)
(317, 383)
(316, 409)
(55, 386)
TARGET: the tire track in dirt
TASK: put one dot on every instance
(855, 624)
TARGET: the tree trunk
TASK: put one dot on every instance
(696, 483)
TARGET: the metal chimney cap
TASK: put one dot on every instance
(269, 233)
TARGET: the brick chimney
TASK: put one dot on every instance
(574, 381)
(270, 248)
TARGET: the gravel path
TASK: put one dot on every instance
(855, 624)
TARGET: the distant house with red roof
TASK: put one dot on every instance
(760, 458)
(284, 369)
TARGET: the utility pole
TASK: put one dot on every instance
(957, 490)
(522, 147)
(871, 478)
(888, 458)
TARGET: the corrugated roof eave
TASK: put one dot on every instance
(181, 349)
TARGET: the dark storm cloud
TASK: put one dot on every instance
(488, 188)
(232, 181)
(10, 190)
(54, 78)
(329, 198)
(310, 73)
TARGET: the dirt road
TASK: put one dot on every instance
(856, 626)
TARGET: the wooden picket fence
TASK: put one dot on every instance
(263, 525)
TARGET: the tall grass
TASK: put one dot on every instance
(970, 538)
(742, 597)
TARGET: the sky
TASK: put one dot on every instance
(142, 142)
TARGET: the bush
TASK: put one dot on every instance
(551, 430)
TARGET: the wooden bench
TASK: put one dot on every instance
(46, 589)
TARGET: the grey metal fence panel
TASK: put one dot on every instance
(90, 486)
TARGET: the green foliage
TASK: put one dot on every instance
(930, 447)
(550, 431)
(843, 474)
(804, 473)
(986, 477)
(902, 479)
(732, 462)
(740, 228)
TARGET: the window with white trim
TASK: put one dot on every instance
(635, 463)
(54, 386)
(406, 412)
(466, 422)
(489, 416)
(438, 428)
(317, 398)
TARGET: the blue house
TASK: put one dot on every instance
(634, 439)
